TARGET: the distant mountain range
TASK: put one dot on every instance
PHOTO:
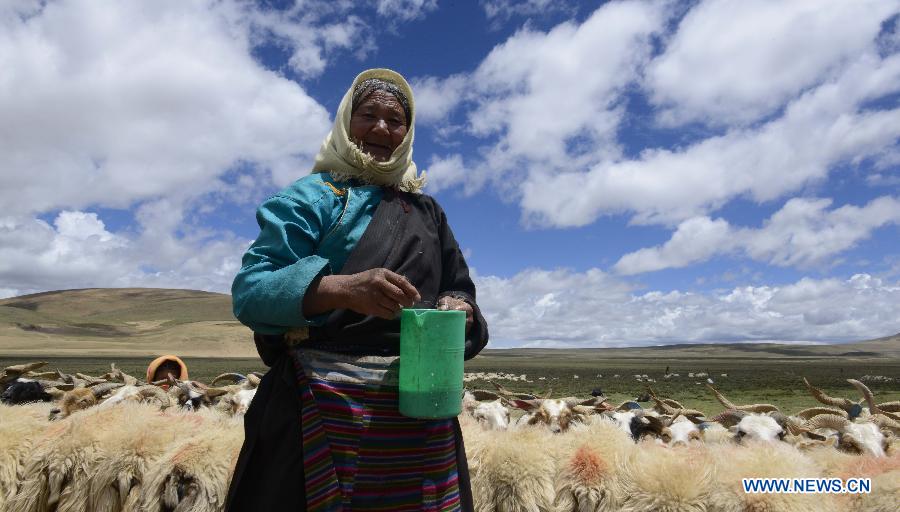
(147, 321)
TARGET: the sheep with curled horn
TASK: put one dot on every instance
(192, 395)
(760, 422)
(863, 438)
(132, 393)
(555, 414)
(81, 398)
(238, 395)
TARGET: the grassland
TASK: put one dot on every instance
(86, 330)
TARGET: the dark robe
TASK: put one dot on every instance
(409, 235)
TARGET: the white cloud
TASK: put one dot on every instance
(77, 251)
(405, 10)
(444, 173)
(436, 98)
(552, 98)
(739, 60)
(113, 104)
(821, 129)
(593, 309)
(802, 233)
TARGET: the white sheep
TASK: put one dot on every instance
(656, 478)
(20, 426)
(194, 473)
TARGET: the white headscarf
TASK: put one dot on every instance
(343, 159)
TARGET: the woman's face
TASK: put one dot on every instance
(378, 125)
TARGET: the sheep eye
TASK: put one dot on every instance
(741, 433)
(781, 434)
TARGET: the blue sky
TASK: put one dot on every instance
(617, 173)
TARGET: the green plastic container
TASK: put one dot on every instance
(432, 345)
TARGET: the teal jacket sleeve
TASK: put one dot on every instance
(279, 266)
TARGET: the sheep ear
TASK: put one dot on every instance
(733, 429)
(526, 405)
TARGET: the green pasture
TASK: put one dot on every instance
(748, 380)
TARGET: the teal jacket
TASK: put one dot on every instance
(306, 230)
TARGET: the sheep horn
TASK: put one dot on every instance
(815, 411)
(23, 368)
(508, 393)
(885, 422)
(870, 399)
(890, 406)
(101, 389)
(655, 424)
(729, 417)
(828, 421)
(214, 392)
(760, 408)
(673, 403)
(257, 374)
(254, 379)
(150, 391)
(786, 423)
(64, 386)
(819, 395)
(666, 408)
(234, 377)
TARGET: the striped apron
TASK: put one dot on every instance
(359, 453)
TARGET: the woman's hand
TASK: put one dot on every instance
(452, 303)
(378, 292)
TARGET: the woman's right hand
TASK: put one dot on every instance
(377, 292)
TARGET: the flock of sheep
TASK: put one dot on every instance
(111, 443)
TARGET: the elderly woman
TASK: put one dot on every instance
(339, 254)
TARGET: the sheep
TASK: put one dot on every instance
(195, 473)
(135, 393)
(655, 478)
(556, 414)
(510, 478)
(22, 391)
(854, 437)
(127, 456)
(82, 398)
(493, 415)
(584, 480)
(763, 460)
(19, 428)
(237, 398)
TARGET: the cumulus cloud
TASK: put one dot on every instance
(821, 129)
(562, 308)
(549, 100)
(735, 61)
(77, 251)
(115, 104)
(802, 233)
